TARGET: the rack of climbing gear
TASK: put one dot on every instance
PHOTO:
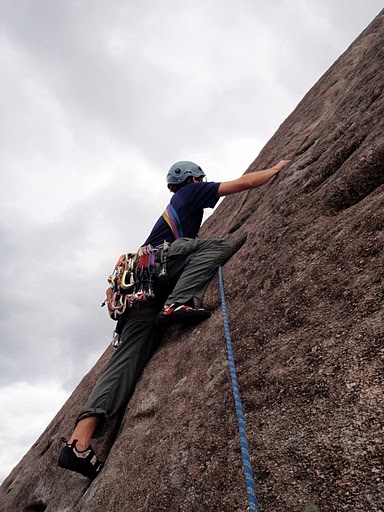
(250, 485)
(132, 282)
(133, 277)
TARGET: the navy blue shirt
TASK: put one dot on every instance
(189, 203)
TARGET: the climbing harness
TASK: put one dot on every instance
(251, 492)
(172, 219)
(132, 280)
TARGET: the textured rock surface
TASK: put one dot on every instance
(305, 302)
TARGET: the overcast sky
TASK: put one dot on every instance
(97, 100)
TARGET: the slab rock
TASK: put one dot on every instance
(305, 306)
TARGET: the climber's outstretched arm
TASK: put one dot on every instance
(251, 180)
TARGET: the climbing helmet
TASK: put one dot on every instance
(181, 171)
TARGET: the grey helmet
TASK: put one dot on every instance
(181, 171)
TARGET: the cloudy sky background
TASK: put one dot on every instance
(97, 100)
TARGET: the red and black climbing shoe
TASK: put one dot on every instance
(86, 462)
(181, 314)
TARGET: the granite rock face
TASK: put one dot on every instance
(305, 304)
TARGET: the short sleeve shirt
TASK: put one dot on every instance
(189, 203)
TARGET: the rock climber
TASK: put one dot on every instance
(191, 264)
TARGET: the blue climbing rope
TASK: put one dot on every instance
(252, 499)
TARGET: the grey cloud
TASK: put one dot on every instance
(171, 77)
(55, 274)
(193, 80)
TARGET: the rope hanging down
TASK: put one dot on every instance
(252, 499)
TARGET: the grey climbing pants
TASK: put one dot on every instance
(191, 264)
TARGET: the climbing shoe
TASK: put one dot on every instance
(181, 314)
(85, 462)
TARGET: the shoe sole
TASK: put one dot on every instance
(184, 316)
